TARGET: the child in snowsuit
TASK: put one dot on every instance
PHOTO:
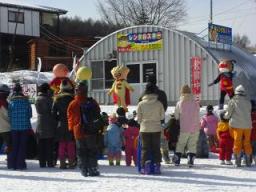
(225, 141)
(209, 124)
(113, 139)
(164, 145)
(130, 134)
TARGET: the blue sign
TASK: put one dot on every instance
(219, 34)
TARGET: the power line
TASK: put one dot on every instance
(66, 42)
(58, 42)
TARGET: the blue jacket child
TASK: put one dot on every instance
(113, 140)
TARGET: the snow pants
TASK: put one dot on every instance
(150, 144)
(16, 158)
(130, 154)
(86, 149)
(225, 148)
(67, 149)
(45, 155)
(187, 141)
(242, 141)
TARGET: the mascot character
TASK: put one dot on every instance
(120, 88)
(60, 72)
(83, 74)
(225, 80)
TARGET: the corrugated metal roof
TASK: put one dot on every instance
(24, 5)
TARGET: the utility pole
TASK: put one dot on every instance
(210, 11)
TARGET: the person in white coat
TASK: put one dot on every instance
(239, 115)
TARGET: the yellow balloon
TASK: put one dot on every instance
(83, 73)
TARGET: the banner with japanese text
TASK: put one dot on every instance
(196, 66)
(139, 41)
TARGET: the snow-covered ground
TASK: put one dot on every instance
(206, 175)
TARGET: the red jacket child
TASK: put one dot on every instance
(130, 135)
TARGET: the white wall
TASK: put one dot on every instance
(30, 27)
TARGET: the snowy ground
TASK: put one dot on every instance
(207, 175)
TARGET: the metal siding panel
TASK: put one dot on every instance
(172, 68)
(4, 20)
(177, 74)
(28, 23)
(35, 24)
(166, 63)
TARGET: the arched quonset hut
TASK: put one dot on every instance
(170, 60)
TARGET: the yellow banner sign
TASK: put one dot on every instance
(139, 41)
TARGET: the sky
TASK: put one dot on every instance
(240, 15)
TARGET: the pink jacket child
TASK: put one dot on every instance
(209, 123)
(130, 135)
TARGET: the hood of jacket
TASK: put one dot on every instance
(150, 98)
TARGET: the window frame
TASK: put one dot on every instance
(16, 16)
(101, 78)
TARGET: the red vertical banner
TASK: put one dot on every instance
(196, 65)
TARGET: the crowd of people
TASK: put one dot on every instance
(72, 129)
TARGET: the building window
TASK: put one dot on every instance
(97, 75)
(15, 17)
(148, 69)
(134, 74)
(109, 65)
(101, 74)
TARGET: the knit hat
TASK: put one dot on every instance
(185, 90)
(17, 88)
(112, 118)
(209, 108)
(4, 88)
(66, 85)
(240, 90)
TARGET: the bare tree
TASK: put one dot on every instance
(167, 13)
(241, 41)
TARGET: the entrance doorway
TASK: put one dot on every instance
(139, 71)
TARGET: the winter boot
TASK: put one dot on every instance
(111, 163)
(166, 156)
(93, 171)
(147, 168)
(71, 164)
(157, 169)
(221, 106)
(248, 161)
(191, 158)
(63, 164)
(228, 162)
(118, 163)
(176, 159)
(238, 160)
(222, 162)
(84, 172)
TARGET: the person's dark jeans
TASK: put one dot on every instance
(150, 147)
(87, 152)
(16, 158)
(45, 155)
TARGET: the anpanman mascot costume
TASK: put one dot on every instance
(60, 72)
(225, 80)
(120, 88)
